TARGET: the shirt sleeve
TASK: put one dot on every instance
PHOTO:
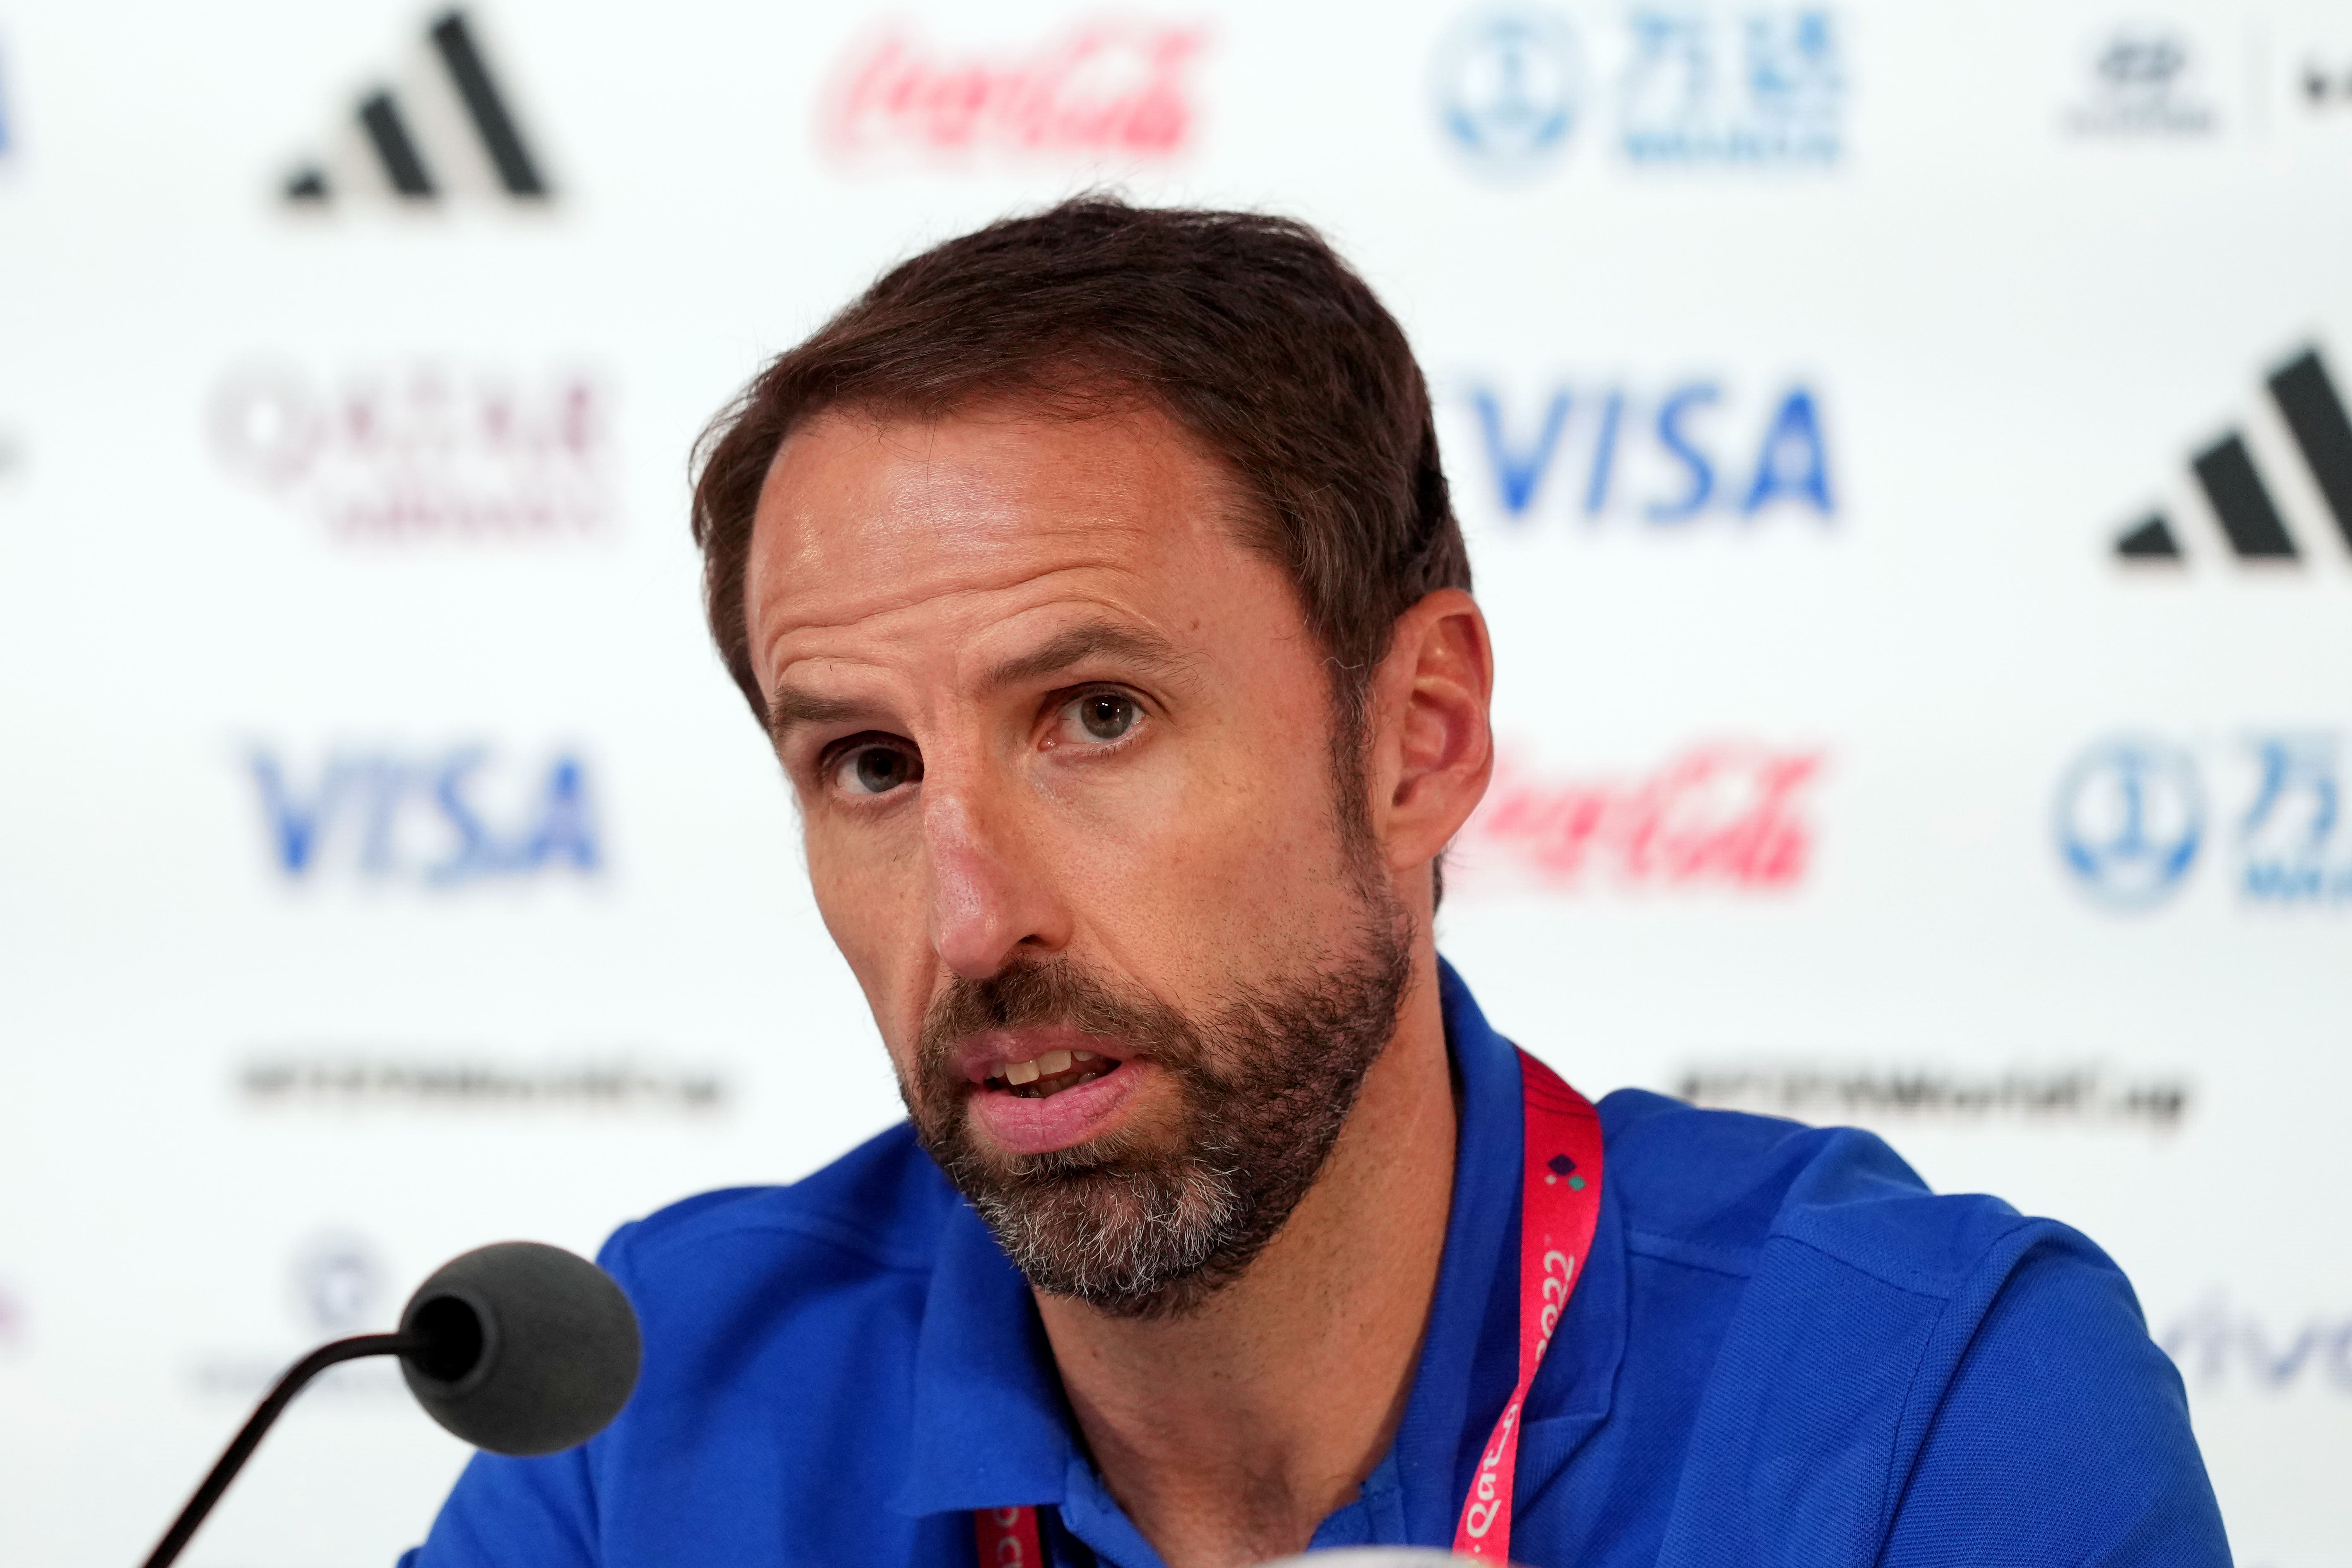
(2061, 1438)
(505, 1510)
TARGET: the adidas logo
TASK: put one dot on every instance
(440, 129)
(2233, 486)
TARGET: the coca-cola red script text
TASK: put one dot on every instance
(1106, 87)
(1729, 814)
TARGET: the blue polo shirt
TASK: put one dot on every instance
(1784, 1351)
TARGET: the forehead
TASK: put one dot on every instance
(984, 515)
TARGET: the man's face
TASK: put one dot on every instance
(1064, 750)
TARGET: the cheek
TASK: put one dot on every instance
(1224, 846)
(868, 889)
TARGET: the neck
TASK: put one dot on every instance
(1228, 1434)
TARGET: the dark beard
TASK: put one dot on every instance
(1143, 1229)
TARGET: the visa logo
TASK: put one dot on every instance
(444, 818)
(1683, 454)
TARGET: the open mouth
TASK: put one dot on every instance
(1047, 1075)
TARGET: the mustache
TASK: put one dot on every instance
(1055, 989)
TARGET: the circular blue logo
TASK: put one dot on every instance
(1507, 87)
(2130, 818)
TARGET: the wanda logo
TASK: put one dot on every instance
(1724, 813)
(1107, 86)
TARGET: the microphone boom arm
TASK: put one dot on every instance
(518, 1348)
(249, 1437)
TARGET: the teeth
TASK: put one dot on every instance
(1051, 1064)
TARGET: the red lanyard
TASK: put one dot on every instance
(1008, 1537)
(1559, 1207)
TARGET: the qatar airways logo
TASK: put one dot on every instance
(1116, 87)
(1723, 814)
(423, 450)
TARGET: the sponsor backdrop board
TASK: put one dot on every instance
(1905, 457)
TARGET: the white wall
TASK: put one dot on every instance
(277, 1034)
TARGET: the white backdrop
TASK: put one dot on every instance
(387, 866)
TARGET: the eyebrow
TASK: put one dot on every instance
(791, 707)
(1096, 639)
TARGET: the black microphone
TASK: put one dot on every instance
(517, 1347)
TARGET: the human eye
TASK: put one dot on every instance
(870, 765)
(1099, 718)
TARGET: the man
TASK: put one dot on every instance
(1095, 577)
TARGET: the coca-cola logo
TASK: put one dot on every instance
(1110, 87)
(422, 448)
(1725, 814)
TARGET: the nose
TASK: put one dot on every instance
(988, 897)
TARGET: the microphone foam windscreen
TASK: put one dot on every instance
(534, 1348)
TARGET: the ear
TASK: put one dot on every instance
(1433, 750)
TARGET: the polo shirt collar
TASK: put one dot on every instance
(991, 1427)
(1470, 1357)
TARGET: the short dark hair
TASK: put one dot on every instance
(1248, 329)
